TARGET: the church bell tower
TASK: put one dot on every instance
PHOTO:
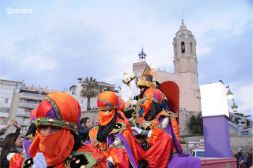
(185, 60)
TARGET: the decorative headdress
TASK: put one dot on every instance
(152, 103)
(60, 110)
(146, 80)
(128, 77)
(154, 95)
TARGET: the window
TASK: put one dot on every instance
(191, 46)
(6, 100)
(182, 47)
(175, 49)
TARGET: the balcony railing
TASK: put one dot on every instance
(31, 96)
(28, 105)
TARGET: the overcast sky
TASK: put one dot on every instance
(57, 41)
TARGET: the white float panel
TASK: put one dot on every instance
(214, 100)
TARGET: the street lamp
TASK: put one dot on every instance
(230, 95)
(234, 106)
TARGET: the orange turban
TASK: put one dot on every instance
(59, 109)
(154, 95)
(107, 103)
(151, 95)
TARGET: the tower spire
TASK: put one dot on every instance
(183, 27)
(142, 55)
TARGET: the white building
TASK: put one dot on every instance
(17, 100)
(8, 91)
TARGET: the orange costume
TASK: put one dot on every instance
(62, 149)
(158, 142)
(113, 134)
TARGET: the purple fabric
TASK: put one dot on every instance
(51, 114)
(88, 142)
(26, 144)
(109, 140)
(217, 137)
(175, 142)
(128, 149)
(184, 162)
(170, 131)
(33, 118)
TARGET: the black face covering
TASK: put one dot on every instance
(31, 130)
(154, 110)
(104, 131)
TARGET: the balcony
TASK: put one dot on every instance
(28, 105)
(23, 114)
(4, 115)
(31, 96)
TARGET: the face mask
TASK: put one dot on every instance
(55, 147)
(104, 117)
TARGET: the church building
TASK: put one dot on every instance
(185, 75)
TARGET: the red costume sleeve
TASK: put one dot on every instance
(16, 161)
(119, 157)
(160, 149)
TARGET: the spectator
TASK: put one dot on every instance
(84, 129)
(249, 159)
(9, 124)
(10, 144)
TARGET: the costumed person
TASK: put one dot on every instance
(29, 136)
(145, 82)
(10, 146)
(163, 114)
(56, 143)
(158, 144)
(169, 103)
(113, 134)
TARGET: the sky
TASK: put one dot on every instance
(52, 43)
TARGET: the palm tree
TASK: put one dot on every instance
(89, 89)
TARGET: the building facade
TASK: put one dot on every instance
(17, 100)
(8, 91)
